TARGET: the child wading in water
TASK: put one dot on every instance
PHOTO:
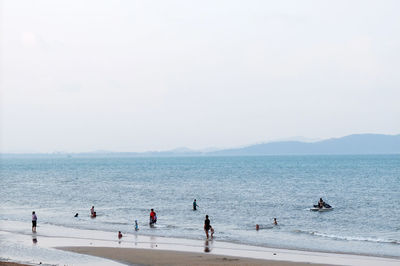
(136, 226)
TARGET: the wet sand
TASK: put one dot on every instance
(162, 257)
(3, 263)
(106, 249)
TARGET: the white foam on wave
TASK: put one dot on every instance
(349, 238)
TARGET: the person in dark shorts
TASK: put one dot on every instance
(34, 220)
(153, 217)
(207, 225)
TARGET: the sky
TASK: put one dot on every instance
(79, 76)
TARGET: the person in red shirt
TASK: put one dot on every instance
(92, 212)
(153, 217)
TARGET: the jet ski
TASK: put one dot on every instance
(326, 207)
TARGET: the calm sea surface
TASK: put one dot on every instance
(236, 192)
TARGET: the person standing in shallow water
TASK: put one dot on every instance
(136, 225)
(153, 217)
(207, 225)
(34, 221)
(194, 205)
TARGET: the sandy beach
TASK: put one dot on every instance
(3, 263)
(67, 246)
(162, 257)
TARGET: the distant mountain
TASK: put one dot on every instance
(352, 144)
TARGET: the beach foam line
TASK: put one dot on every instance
(349, 238)
(50, 237)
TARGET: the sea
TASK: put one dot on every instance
(236, 192)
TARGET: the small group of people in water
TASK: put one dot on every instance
(153, 219)
(322, 204)
(207, 224)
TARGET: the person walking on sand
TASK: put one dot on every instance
(34, 220)
(207, 226)
(195, 205)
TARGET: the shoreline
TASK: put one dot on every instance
(177, 238)
(278, 247)
(53, 239)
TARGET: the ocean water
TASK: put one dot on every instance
(236, 192)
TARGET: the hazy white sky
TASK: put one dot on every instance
(154, 75)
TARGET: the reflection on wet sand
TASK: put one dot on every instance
(153, 242)
(207, 246)
(34, 239)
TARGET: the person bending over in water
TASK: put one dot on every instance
(207, 227)
(76, 215)
(119, 234)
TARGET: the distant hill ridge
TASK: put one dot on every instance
(352, 144)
